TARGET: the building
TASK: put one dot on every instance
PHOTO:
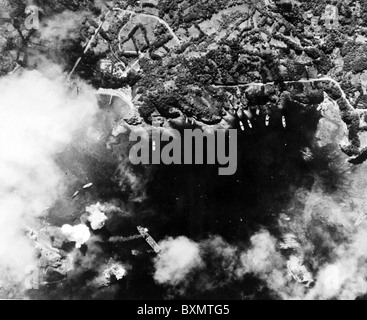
(105, 65)
(331, 17)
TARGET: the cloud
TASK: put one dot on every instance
(262, 257)
(38, 114)
(96, 216)
(62, 26)
(178, 258)
(213, 263)
(332, 243)
(344, 277)
(79, 234)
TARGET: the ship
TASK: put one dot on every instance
(284, 122)
(145, 233)
(267, 120)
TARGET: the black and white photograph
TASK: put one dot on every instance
(183, 150)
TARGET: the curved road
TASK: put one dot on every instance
(155, 18)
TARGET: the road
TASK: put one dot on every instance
(323, 79)
(155, 18)
(117, 93)
(89, 44)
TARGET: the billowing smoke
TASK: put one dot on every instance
(79, 234)
(339, 255)
(214, 263)
(264, 260)
(96, 216)
(178, 258)
(62, 26)
(38, 115)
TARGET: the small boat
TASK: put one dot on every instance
(75, 194)
(242, 126)
(87, 186)
(267, 120)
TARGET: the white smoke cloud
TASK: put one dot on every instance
(345, 276)
(264, 260)
(178, 258)
(331, 240)
(182, 258)
(62, 26)
(262, 257)
(79, 234)
(38, 115)
(96, 216)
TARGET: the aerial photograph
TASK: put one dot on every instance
(183, 150)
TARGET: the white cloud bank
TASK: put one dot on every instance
(38, 115)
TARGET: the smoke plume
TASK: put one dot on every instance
(38, 115)
(178, 259)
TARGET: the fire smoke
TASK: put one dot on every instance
(38, 115)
